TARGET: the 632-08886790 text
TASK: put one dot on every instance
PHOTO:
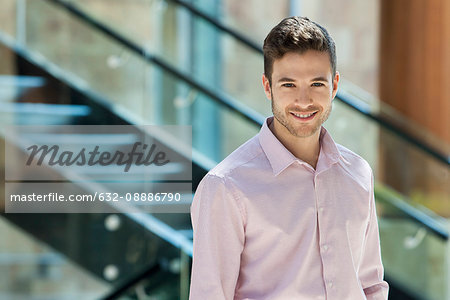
(107, 197)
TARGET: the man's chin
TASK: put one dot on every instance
(304, 132)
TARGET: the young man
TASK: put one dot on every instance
(290, 214)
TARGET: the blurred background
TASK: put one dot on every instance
(199, 63)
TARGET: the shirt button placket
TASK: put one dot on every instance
(323, 233)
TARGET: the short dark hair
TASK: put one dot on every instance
(296, 34)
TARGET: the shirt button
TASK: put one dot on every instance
(321, 209)
(325, 247)
(330, 284)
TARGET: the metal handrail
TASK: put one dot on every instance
(241, 38)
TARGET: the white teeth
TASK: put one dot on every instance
(303, 116)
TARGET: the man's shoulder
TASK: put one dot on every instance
(352, 157)
(238, 159)
(355, 165)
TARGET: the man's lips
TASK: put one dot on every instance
(304, 116)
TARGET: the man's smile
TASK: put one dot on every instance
(304, 116)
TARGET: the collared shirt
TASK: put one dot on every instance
(269, 226)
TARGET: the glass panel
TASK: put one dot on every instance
(140, 28)
(103, 66)
(216, 130)
(414, 257)
(32, 270)
(235, 131)
(242, 75)
(168, 284)
(134, 88)
(155, 24)
(180, 39)
(408, 170)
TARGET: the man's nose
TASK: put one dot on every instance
(303, 97)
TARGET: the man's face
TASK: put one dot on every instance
(301, 92)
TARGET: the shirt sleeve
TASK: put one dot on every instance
(218, 224)
(371, 269)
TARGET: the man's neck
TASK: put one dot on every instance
(306, 149)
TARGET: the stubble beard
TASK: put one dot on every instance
(303, 131)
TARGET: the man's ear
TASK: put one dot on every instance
(267, 88)
(335, 85)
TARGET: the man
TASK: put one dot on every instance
(290, 214)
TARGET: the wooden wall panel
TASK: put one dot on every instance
(414, 61)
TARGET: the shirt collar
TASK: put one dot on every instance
(280, 158)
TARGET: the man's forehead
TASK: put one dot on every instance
(286, 76)
(311, 64)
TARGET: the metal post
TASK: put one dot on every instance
(207, 67)
(295, 7)
(184, 38)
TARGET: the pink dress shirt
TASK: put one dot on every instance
(268, 226)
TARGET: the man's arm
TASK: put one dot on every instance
(371, 268)
(218, 223)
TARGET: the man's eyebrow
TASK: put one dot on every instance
(320, 78)
(285, 79)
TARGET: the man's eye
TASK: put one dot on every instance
(288, 85)
(318, 84)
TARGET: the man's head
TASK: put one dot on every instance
(296, 34)
(300, 77)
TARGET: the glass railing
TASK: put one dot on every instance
(167, 281)
(179, 37)
(132, 86)
(412, 172)
(415, 257)
(32, 270)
